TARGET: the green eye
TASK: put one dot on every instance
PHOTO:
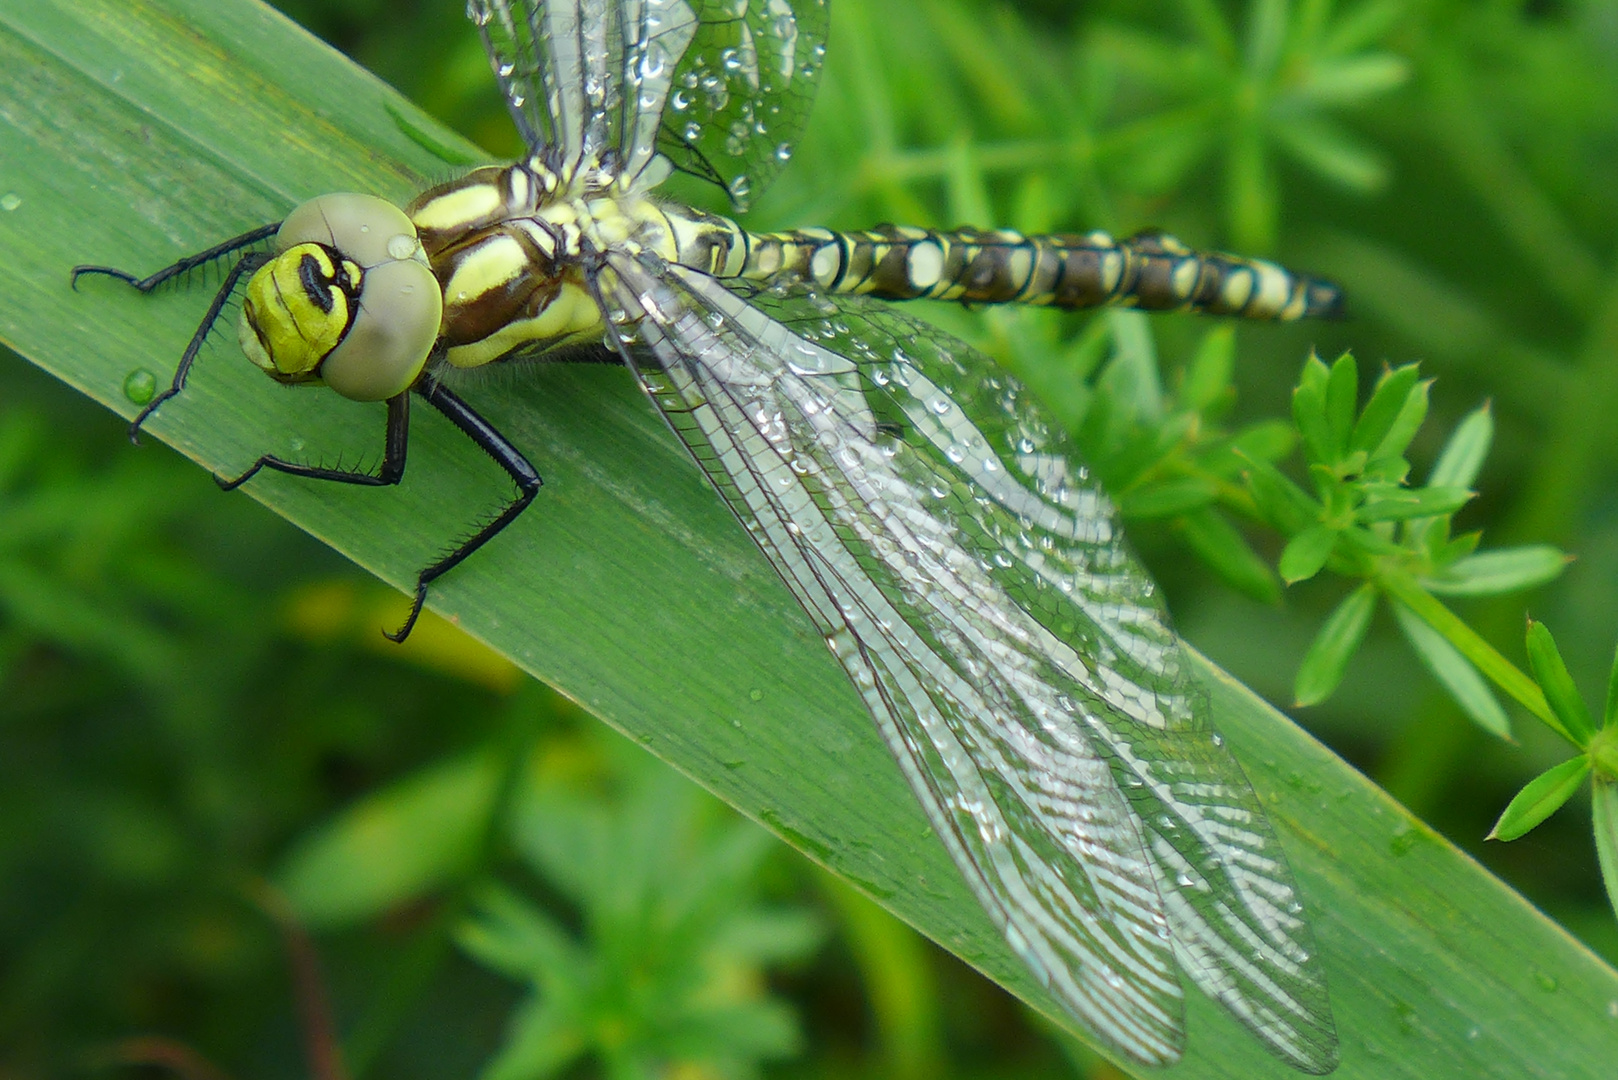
(348, 300)
(391, 333)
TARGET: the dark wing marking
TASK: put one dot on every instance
(972, 581)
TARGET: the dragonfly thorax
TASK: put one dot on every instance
(514, 247)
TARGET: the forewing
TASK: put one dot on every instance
(588, 80)
(884, 541)
(743, 91)
(972, 580)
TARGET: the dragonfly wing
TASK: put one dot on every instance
(587, 80)
(986, 707)
(973, 582)
(743, 91)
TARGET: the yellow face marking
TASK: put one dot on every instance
(296, 310)
(489, 265)
(458, 208)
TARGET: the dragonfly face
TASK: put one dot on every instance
(958, 559)
(348, 300)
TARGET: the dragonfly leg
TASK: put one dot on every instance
(243, 266)
(190, 262)
(507, 456)
(391, 471)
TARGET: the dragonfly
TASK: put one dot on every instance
(964, 568)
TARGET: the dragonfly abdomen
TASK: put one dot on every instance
(1150, 270)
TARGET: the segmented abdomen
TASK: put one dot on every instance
(1150, 270)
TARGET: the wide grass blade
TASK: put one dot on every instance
(132, 132)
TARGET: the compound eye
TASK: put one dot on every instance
(392, 333)
(364, 228)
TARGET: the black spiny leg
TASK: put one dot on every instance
(190, 262)
(391, 470)
(507, 456)
(243, 266)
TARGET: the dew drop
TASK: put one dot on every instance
(140, 386)
(10, 201)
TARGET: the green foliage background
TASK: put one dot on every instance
(190, 690)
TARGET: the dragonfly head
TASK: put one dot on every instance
(348, 300)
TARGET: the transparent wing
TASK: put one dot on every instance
(743, 91)
(972, 581)
(587, 80)
(722, 88)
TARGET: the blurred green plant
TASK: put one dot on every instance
(659, 962)
(1246, 97)
(1596, 761)
(666, 972)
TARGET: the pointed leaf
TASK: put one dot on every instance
(542, 1040)
(1219, 544)
(394, 845)
(1500, 571)
(1265, 440)
(1323, 666)
(1306, 553)
(1609, 717)
(1284, 504)
(513, 936)
(1352, 79)
(1342, 394)
(1389, 502)
(1309, 411)
(1405, 426)
(1377, 418)
(1545, 660)
(1328, 150)
(1463, 455)
(1454, 672)
(1604, 813)
(1541, 797)
(1208, 377)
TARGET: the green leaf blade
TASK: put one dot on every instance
(1500, 571)
(1540, 798)
(1454, 672)
(1339, 638)
(1545, 659)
